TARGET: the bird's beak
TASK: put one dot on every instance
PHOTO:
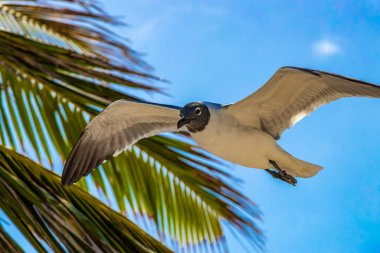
(182, 122)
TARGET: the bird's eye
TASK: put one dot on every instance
(198, 111)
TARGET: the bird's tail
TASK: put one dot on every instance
(301, 168)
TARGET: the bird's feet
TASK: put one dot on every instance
(289, 179)
(282, 175)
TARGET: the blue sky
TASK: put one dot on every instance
(221, 51)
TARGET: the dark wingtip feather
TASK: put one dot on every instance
(321, 73)
(66, 179)
(71, 164)
(84, 157)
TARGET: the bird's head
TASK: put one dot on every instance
(194, 116)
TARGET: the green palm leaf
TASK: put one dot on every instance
(65, 219)
(7, 244)
(58, 69)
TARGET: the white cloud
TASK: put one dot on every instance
(325, 48)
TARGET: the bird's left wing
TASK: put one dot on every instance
(291, 94)
(115, 129)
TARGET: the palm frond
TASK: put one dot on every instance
(48, 94)
(68, 27)
(62, 219)
(7, 244)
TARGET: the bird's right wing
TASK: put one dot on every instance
(119, 126)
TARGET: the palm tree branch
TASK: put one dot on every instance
(63, 26)
(7, 244)
(42, 209)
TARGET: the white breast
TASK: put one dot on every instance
(225, 137)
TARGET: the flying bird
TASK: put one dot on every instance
(244, 133)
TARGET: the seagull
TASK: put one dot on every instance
(244, 133)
